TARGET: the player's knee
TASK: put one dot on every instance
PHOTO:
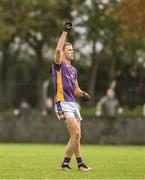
(77, 135)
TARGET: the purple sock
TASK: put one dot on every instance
(66, 161)
(79, 160)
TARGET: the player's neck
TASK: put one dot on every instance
(67, 62)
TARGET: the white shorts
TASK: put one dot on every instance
(70, 109)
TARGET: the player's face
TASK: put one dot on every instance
(69, 52)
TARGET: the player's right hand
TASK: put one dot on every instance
(68, 25)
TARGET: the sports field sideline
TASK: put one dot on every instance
(41, 161)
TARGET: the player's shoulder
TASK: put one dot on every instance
(73, 67)
(56, 67)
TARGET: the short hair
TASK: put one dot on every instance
(66, 44)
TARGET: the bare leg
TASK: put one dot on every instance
(73, 145)
(69, 149)
(78, 146)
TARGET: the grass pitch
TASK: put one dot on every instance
(41, 161)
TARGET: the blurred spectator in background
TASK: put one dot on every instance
(24, 109)
(118, 85)
(108, 105)
(48, 107)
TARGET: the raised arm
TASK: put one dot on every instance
(59, 47)
(60, 43)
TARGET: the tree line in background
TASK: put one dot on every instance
(108, 38)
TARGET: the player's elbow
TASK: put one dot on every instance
(77, 93)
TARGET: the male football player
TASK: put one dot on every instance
(66, 89)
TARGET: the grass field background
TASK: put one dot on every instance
(41, 161)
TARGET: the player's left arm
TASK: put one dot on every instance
(80, 93)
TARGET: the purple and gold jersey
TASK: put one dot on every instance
(64, 77)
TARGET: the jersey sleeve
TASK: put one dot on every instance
(57, 66)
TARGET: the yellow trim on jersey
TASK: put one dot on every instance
(60, 94)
